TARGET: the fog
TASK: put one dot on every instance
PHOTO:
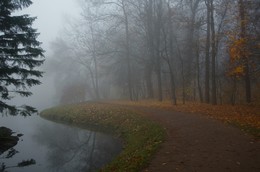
(181, 51)
(129, 49)
(52, 18)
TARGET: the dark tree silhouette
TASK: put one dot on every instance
(20, 53)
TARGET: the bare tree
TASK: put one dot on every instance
(213, 55)
(207, 56)
(163, 48)
(242, 14)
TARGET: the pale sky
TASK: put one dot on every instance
(52, 16)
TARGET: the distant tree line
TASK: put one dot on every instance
(183, 50)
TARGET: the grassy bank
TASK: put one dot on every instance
(141, 136)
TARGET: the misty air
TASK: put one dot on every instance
(129, 85)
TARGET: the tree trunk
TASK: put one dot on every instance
(170, 62)
(207, 68)
(247, 83)
(158, 57)
(213, 56)
(198, 73)
(151, 50)
(94, 56)
(129, 72)
(242, 14)
(182, 70)
(96, 76)
(148, 81)
(159, 76)
(173, 91)
(234, 90)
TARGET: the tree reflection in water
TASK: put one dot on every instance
(7, 143)
(72, 149)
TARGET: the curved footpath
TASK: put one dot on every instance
(196, 143)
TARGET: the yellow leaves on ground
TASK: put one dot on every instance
(244, 115)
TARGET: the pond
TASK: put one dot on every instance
(57, 147)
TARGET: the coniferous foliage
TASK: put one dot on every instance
(20, 53)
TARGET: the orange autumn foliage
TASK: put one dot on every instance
(238, 53)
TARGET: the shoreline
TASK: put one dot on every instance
(141, 137)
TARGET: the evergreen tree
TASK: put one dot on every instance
(20, 53)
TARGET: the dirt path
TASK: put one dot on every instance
(197, 144)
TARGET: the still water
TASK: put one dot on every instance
(57, 147)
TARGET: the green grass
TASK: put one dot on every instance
(141, 136)
(251, 130)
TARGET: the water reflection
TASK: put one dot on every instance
(57, 147)
(71, 149)
(7, 143)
